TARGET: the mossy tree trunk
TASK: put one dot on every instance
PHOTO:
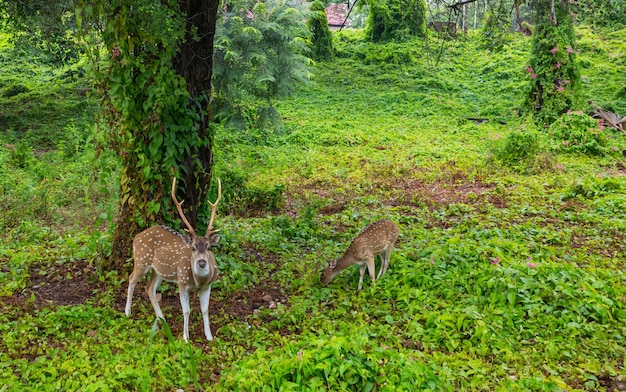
(552, 70)
(321, 40)
(155, 83)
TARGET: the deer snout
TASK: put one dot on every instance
(202, 263)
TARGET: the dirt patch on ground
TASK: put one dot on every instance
(409, 191)
(76, 283)
(57, 285)
(437, 194)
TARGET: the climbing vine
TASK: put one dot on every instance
(396, 19)
(152, 115)
(552, 70)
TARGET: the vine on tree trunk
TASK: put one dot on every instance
(152, 64)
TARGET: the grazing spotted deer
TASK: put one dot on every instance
(174, 257)
(378, 238)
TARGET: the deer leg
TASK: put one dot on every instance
(204, 306)
(129, 296)
(371, 268)
(151, 288)
(381, 271)
(361, 273)
(184, 303)
(134, 278)
(386, 256)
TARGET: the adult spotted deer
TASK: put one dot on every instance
(174, 257)
(376, 239)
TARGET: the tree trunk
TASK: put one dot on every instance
(553, 72)
(465, 18)
(194, 62)
(475, 14)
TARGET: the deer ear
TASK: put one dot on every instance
(215, 238)
(186, 239)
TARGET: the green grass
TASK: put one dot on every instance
(508, 273)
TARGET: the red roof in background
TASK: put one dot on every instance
(336, 14)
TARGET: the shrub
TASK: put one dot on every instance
(579, 133)
(20, 155)
(242, 199)
(521, 150)
(518, 149)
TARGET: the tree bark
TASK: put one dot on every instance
(552, 67)
(194, 62)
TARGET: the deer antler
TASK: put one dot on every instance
(209, 229)
(180, 210)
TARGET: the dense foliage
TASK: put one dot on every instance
(260, 55)
(321, 39)
(552, 69)
(396, 19)
(607, 13)
(507, 274)
(41, 26)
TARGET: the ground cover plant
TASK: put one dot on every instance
(508, 273)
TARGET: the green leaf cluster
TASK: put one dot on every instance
(257, 59)
(580, 133)
(396, 20)
(332, 362)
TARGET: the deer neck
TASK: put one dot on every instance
(344, 262)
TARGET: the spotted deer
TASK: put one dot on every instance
(173, 257)
(376, 239)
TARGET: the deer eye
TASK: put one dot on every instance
(193, 248)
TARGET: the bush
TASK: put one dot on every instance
(579, 133)
(334, 363)
(519, 146)
(241, 199)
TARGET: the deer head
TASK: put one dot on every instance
(201, 255)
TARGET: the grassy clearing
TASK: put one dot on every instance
(507, 275)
